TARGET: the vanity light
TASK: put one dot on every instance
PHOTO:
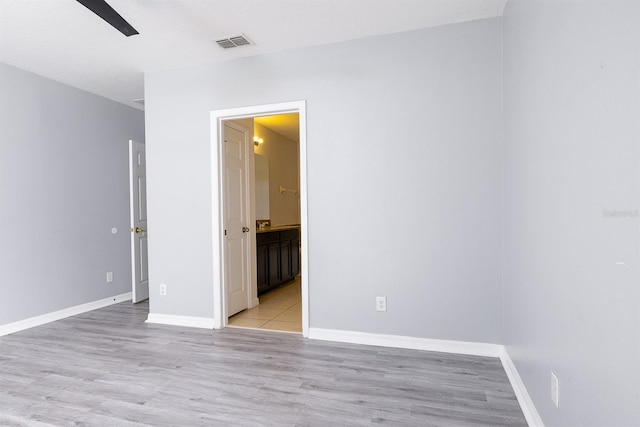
(257, 141)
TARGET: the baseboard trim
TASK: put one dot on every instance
(412, 343)
(526, 404)
(173, 320)
(32, 322)
(445, 346)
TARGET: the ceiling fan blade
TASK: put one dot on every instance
(106, 12)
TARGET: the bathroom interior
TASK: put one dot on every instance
(277, 207)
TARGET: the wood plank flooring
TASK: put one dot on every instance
(108, 368)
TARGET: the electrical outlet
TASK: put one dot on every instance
(163, 289)
(381, 303)
(109, 276)
(555, 390)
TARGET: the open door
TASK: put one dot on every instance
(236, 218)
(138, 222)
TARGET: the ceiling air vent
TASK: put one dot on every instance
(233, 41)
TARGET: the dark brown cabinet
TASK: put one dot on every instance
(273, 261)
(278, 260)
(263, 268)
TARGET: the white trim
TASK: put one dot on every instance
(413, 343)
(32, 322)
(445, 346)
(304, 225)
(217, 117)
(217, 231)
(132, 225)
(526, 404)
(173, 320)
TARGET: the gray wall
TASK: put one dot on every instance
(572, 140)
(404, 172)
(63, 186)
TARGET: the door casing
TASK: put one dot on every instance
(217, 129)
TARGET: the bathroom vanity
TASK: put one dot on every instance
(278, 253)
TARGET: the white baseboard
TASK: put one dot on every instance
(526, 404)
(413, 343)
(444, 346)
(191, 322)
(31, 322)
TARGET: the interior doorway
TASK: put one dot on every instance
(276, 183)
(220, 250)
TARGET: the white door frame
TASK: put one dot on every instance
(217, 197)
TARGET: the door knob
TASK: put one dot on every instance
(245, 229)
(137, 230)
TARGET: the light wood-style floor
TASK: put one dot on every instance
(279, 310)
(109, 368)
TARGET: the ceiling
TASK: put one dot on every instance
(64, 41)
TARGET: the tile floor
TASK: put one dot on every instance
(279, 310)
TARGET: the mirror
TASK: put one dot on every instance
(262, 187)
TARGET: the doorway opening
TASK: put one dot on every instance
(235, 226)
(274, 193)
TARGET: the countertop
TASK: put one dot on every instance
(278, 228)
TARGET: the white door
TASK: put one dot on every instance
(138, 221)
(236, 218)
